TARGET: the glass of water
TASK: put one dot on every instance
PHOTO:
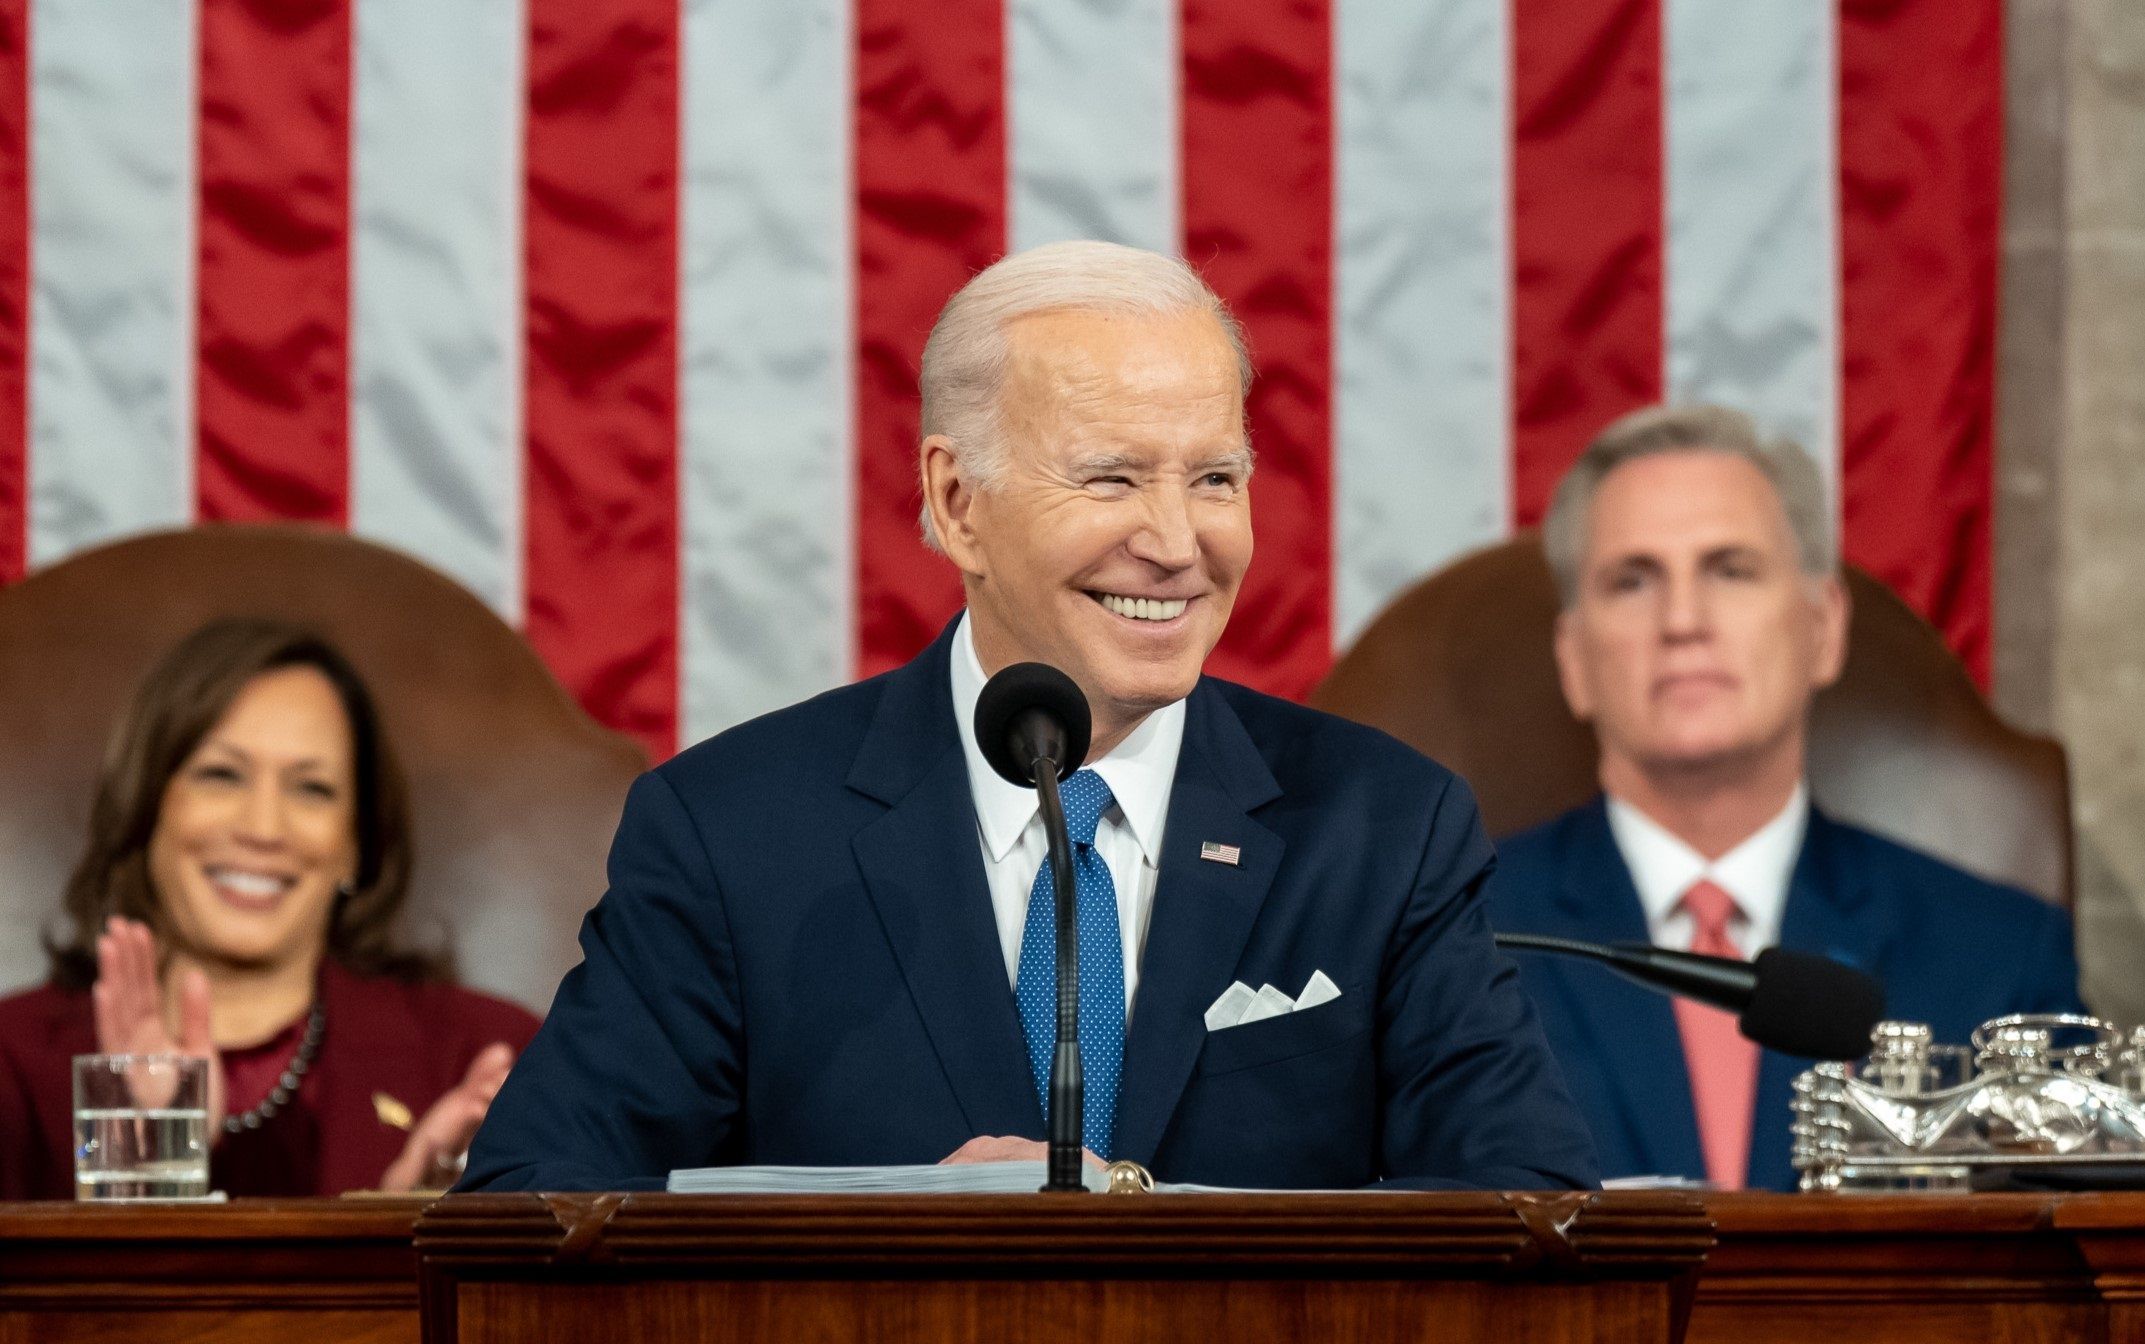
(141, 1127)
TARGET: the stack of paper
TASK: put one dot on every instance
(967, 1178)
(1656, 1183)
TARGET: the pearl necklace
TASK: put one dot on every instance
(286, 1086)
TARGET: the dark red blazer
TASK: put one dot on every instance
(410, 1042)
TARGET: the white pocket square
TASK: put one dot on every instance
(1240, 1004)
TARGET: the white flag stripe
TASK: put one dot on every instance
(435, 323)
(111, 96)
(1422, 447)
(1091, 94)
(1752, 288)
(765, 457)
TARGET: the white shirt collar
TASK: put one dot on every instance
(1756, 873)
(1139, 771)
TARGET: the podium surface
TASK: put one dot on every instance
(1327, 1268)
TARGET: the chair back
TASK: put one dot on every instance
(1460, 667)
(514, 791)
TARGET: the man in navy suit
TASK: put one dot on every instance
(819, 945)
(1702, 608)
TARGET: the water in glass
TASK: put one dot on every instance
(141, 1127)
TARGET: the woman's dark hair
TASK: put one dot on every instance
(182, 698)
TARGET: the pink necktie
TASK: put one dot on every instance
(1723, 1065)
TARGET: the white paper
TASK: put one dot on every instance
(969, 1178)
(1655, 1183)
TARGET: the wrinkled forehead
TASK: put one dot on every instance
(1129, 354)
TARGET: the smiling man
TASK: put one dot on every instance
(1702, 609)
(828, 935)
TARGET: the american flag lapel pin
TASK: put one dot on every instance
(1215, 852)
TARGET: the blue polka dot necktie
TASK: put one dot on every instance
(1102, 966)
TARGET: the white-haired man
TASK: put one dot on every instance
(1702, 608)
(827, 939)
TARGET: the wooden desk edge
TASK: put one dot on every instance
(1477, 1234)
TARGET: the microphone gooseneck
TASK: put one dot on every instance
(1720, 981)
(1068, 1083)
(1033, 727)
(1788, 1001)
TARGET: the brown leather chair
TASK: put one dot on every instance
(514, 791)
(1460, 668)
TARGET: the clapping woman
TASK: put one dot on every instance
(248, 851)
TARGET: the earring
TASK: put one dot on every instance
(346, 889)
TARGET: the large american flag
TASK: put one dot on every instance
(611, 308)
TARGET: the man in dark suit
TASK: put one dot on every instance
(1702, 608)
(827, 935)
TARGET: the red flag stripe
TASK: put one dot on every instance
(14, 288)
(930, 161)
(1921, 152)
(1258, 222)
(1586, 231)
(273, 261)
(601, 382)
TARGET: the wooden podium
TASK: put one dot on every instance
(1098, 1269)
(254, 1271)
(1787, 1269)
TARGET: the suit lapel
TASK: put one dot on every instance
(1203, 914)
(1634, 1028)
(1828, 913)
(922, 865)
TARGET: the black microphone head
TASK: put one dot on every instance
(1811, 1006)
(1030, 710)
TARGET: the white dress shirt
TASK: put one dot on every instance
(1009, 823)
(1756, 873)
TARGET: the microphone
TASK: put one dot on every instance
(1029, 712)
(1033, 726)
(1787, 1001)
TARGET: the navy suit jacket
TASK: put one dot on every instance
(1950, 949)
(797, 963)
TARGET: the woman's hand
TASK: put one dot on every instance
(128, 1004)
(432, 1157)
